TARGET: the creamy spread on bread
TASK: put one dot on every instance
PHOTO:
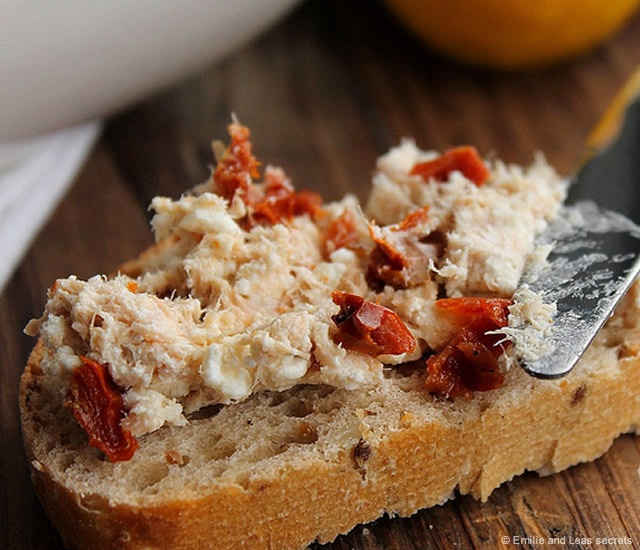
(233, 302)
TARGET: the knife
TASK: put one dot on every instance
(595, 240)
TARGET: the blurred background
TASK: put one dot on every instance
(312, 79)
(104, 107)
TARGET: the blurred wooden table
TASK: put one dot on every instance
(325, 92)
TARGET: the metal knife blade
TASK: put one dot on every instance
(596, 240)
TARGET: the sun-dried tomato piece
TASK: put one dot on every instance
(308, 202)
(386, 267)
(342, 232)
(464, 366)
(97, 405)
(237, 167)
(370, 328)
(469, 362)
(464, 159)
(413, 219)
(402, 253)
(480, 315)
(280, 202)
(271, 202)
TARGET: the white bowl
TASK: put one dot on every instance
(63, 62)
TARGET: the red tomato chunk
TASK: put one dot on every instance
(469, 362)
(274, 201)
(97, 405)
(370, 328)
(463, 159)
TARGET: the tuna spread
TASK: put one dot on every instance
(253, 285)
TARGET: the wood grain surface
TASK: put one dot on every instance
(326, 91)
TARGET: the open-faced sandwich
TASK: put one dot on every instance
(277, 369)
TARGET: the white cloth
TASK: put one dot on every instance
(34, 176)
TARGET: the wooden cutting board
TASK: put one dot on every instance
(325, 92)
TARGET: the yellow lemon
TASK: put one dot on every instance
(513, 34)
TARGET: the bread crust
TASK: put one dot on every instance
(398, 463)
(280, 470)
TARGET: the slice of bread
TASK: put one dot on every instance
(283, 469)
(271, 362)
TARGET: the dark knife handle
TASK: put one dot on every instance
(611, 177)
